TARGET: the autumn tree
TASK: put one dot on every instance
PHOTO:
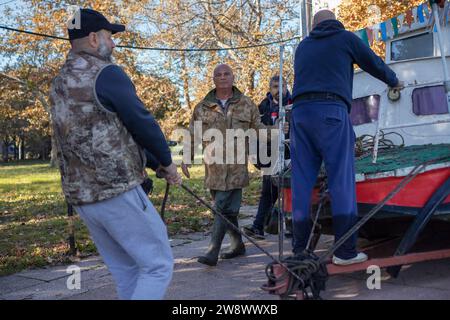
(221, 24)
(31, 62)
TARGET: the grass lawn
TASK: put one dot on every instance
(33, 214)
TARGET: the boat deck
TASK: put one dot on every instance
(399, 162)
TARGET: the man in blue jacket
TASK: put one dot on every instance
(269, 111)
(321, 129)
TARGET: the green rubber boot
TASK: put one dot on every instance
(218, 233)
(237, 247)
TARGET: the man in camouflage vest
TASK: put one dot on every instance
(104, 137)
(224, 109)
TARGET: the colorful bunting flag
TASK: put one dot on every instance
(427, 10)
(401, 21)
(383, 31)
(365, 37)
(376, 32)
(412, 19)
(394, 22)
(389, 29)
(445, 14)
(414, 14)
(370, 35)
(409, 17)
(420, 14)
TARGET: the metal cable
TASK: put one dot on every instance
(265, 44)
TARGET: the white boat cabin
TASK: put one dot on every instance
(416, 58)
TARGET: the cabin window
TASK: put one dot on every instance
(365, 110)
(429, 100)
(414, 47)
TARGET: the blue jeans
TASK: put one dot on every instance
(269, 195)
(322, 131)
(132, 240)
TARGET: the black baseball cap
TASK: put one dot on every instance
(91, 21)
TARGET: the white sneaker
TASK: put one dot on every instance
(360, 257)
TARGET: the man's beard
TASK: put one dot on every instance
(104, 51)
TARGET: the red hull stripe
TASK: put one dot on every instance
(415, 194)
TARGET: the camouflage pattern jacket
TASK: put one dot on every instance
(98, 157)
(241, 113)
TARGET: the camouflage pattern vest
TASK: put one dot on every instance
(98, 157)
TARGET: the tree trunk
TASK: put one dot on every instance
(185, 77)
(22, 148)
(16, 149)
(5, 150)
(43, 153)
(53, 154)
(19, 149)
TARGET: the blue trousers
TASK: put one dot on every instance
(322, 131)
(132, 240)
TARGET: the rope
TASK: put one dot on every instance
(311, 274)
(364, 144)
(163, 205)
(265, 44)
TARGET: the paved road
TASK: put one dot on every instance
(236, 279)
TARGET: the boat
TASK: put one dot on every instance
(396, 131)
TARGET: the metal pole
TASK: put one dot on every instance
(377, 133)
(304, 18)
(442, 49)
(281, 138)
(301, 19)
(376, 142)
(308, 8)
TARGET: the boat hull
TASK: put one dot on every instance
(408, 201)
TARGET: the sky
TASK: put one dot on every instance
(15, 5)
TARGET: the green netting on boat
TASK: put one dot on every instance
(403, 157)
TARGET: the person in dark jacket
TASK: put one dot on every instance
(269, 111)
(321, 129)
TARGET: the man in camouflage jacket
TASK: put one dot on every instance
(224, 111)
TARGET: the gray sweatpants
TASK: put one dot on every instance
(133, 242)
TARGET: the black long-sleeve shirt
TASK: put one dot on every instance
(117, 93)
